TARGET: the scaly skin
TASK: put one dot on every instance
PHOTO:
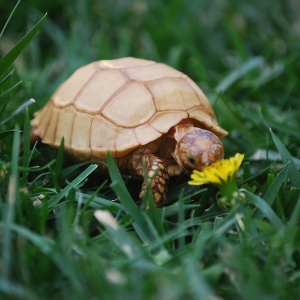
(158, 177)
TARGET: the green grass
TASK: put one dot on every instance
(67, 232)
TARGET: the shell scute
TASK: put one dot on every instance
(203, 99)
(173, 94)
(102, 137)
(51, 127)
(67, 92)
(80, 139)
(163, 121)
(131, 107)
(208, 121)
(123, 63)
(100, 87)
(125, 141)
(41, 119)
(152, 72)
(146, 133)
(64, 127)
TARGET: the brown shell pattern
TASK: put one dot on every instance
(119, 105)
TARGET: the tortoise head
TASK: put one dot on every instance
(197, 149)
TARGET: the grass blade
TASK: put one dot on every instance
(267, 211)
(67, 171)
(11, 14)
(197, 282)
(272, 192)
(43, 243)
(99, 203)
(13, 196)
(128, 246)
(26, 147)
(229, 108)
(87, 203)
(118, 186)
(7, 60)
(38, 169)
(46, 246)
(293, 225)
(7, 76)
(287, 158)
(6, 133)
(238, 73)
(18, 110)
(235, 38)
(60, 157)
(148, 202)
(15, 291)
(8, 92)
(63, 193)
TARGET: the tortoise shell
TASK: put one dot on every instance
(120, 105)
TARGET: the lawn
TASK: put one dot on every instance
(68, 232)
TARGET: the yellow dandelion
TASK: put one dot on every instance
(222, 174)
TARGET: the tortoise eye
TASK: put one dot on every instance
(191, 160)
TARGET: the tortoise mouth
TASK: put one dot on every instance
(198, 149)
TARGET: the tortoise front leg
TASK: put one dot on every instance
(158, 177)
